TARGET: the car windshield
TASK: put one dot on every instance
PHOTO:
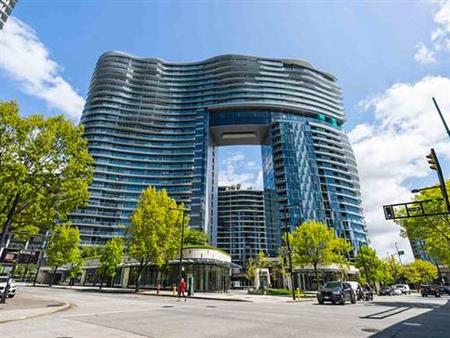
(3, 279)
(332, 285)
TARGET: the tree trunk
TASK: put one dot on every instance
(53, 277)
(317, 276)
(138, 277)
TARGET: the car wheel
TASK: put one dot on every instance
(353, 300)
(438, 295)
(320, 302)
(11, 296)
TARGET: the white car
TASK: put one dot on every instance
(12, 289)
(357, 289)
(403, 287)
(396, 291)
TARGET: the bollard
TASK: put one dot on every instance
(297, 291)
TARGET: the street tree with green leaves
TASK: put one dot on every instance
(432, 231)
(195, 237)
(45, 169)
(110, 259)
(371, 268)
(63, 247)
(342, 249)
(155, 231)
(420, 272)
(312, 243)
(256, 263)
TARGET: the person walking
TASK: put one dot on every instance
(182, 289)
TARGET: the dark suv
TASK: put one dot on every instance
(430, 290)
(336, 292)
(444, 290)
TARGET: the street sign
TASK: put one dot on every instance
(9, 255)
(401, 252)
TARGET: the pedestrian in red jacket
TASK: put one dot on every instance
(182, 289)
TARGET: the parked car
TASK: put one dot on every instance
(389, 291)
(12, 289)
(430, 290)
(336, 292)
(444, 290)
(404, 288)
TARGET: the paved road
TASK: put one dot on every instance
(127, 315)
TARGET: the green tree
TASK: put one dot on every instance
(372, 268)
(312, 243)
(426, 271)
(110, 259)
(63, 247)
(342, 248)
(154, 234)
(432, 231)
(45, 169)
(195, 237)
(255, 263)
(87, 251)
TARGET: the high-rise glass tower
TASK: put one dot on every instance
(241, 225)
(6, 7)
(151, 122)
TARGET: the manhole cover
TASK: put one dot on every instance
(167, 306)
(54, 305)
(369, 330)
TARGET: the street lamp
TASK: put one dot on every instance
(180, 269)
(286, 207)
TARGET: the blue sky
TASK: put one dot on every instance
(389, 58)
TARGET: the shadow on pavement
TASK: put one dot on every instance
(405, 304)
(431, 324)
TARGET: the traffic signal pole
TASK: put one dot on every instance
(434, 164)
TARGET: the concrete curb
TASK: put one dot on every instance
(198, 297)
(63, 307)
(142, 293)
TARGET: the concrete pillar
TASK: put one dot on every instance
(125, 276)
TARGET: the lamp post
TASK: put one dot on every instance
(180, 266)
(286, 230)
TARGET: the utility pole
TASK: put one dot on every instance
(286, 230)
(434, 164)
(442, 117)
(41, 255)
(398, 253)
(364, 263)
(180, 264)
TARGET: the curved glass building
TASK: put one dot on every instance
(151, 122)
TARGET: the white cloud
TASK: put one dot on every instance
(234, 170)
(439, 37)
(424, 55)
(27, 60)
(392, 150)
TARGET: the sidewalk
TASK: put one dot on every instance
(24, 307)
(232, 295)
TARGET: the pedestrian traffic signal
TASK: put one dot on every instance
(432, 161)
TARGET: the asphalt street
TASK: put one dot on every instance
(129, 315)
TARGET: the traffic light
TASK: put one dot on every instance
(432, 160)
(388, 212)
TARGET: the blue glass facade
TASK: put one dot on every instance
(150, 122)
